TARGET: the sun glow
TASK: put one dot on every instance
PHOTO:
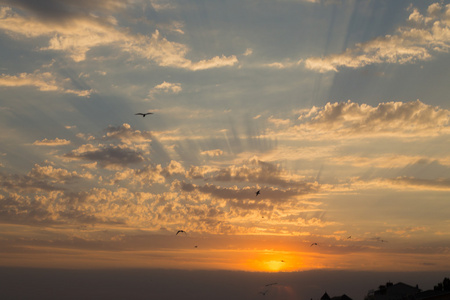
(275, 261)
(274, 265)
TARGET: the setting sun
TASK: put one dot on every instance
(275, 265)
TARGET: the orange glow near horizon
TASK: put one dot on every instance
(275, 261)
(249, 260)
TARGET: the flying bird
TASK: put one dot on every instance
(263, 293)
(349, 237)
(181, 231)
(313, 244)
(258, 192)
(269, 284)
(144, 114)
(378, 239)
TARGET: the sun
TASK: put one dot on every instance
(274, 265)
(266, 264)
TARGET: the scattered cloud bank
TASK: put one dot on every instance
(349, 119)
(427, 34)
(122, 186)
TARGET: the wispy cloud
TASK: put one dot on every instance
(43, 81)
(426, 35)
(81, 32)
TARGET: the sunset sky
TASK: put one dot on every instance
(338, 111)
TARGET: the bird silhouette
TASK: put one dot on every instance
(258, 192)
(313, 244)
(181, 231)
(378, 239)
(144, 114)
(349, 237)
(269, 284)
(263, 293)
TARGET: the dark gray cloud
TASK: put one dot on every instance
(62, 10)
(25, 183)
(108, 156)
(91, 207)
(24, 210)
(261, 172)
(247, 193)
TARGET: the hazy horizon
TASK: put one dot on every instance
(26, 283)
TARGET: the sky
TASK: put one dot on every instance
(337, 111)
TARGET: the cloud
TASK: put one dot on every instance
(248, 51)
(257, 171)
(15, 182)
(282, 65)
(426, 35)
(106, 156)
(212, 153)
(438, 184)
(215, 62)
(165, 87)
(55, 142)
(83, 30)
(407, 119)
(43, 81)
(127, 135)
(55, 175)
(55, 10)
(279, 122)
(407, 183)
(159, 5)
